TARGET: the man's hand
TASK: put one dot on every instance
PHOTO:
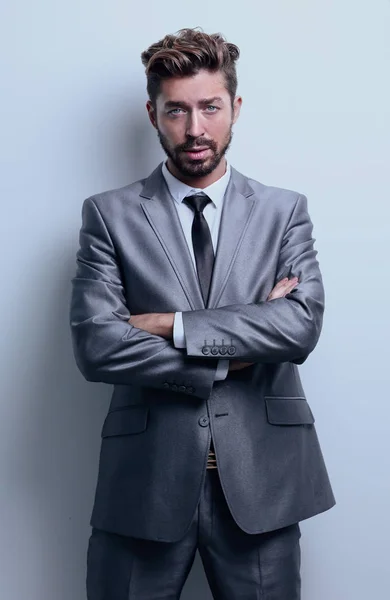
(156, 323)
(283, 287)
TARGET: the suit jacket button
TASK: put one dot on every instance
(182, 388)
(223, 350)
(231, 350)
(205, 350)
(214, 350)
(203, 421)
(174, 387)
(165, 384)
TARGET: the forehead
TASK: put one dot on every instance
(193, 88)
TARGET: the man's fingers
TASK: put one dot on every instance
(283, 287)
(291, 285)
(281, 283)
(288, 283)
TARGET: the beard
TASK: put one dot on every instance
(191, 167)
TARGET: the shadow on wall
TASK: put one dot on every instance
(60, 461)
(120, 146)
(56, 464)
(143, 146)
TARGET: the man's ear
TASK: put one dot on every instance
(151, 113)
(236, 107)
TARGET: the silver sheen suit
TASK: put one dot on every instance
(133, 258)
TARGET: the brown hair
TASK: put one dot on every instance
(185, 54)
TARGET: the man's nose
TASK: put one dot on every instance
(195, 126)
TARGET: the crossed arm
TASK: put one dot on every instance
(113, 346)
(162, 323)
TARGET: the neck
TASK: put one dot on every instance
(198, 181)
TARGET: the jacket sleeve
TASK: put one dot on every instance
(280, 330)
(106, 347)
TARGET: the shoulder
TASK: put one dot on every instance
(274, 193)
(116, 197)
(270, 193)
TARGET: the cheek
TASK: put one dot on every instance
(221, 131)
(173, 130)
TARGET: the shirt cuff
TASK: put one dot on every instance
(179, 339)
(222, 369)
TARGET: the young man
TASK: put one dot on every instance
(197, 294)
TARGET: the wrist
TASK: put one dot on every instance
(165, 324)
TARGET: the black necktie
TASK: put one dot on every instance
(201, 241)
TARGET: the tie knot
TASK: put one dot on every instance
(197, 202)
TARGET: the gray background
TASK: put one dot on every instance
(315, 81)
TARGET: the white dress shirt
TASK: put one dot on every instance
(212, 213)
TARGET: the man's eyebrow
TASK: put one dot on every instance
(202, 102)
(211, 100)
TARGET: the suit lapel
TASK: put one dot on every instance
(164, 220)
(236, 212)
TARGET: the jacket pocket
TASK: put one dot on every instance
(125, 421)
(288, 410)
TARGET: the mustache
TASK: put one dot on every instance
(200, 144)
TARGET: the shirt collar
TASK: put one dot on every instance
(180, 190)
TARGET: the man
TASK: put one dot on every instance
(197, 294)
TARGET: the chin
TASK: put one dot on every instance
(199, 170)
(200, 165)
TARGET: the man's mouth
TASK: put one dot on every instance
(197, 153)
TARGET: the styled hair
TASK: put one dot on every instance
(185, 54)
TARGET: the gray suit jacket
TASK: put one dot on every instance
(133, 258)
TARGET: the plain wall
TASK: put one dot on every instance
(314, 77)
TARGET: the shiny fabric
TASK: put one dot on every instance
(237, 565)
(166, 405)
(204, 258)
(201, 242)
(213, 211)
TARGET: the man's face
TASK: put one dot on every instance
(194, 119)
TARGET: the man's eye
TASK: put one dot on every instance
(213, 107)
(173, 111)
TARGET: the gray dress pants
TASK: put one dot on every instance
(238, 565)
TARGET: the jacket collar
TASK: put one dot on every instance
(163, 218)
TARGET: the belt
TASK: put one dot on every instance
(211, 459)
